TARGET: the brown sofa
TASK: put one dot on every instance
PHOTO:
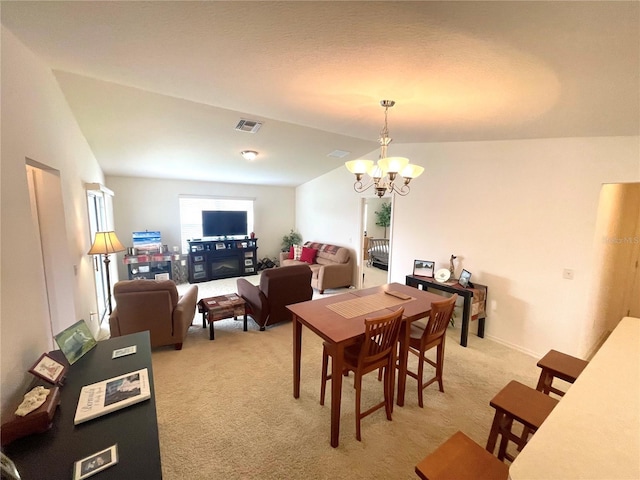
(153, 305)
(333, 266)
(279, 287)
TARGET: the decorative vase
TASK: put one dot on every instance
(252, 235)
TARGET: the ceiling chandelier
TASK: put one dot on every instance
(384, 173)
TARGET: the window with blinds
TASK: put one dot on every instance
(191, 214)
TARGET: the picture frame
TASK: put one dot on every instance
(95, 463)
(161, 276)
(75, 341)
(49, 369)
(423, 268)
(465, 277)
(220, 246)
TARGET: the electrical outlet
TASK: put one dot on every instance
(567, 274)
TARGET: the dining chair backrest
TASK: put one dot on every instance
(439, 318)
(380, 336)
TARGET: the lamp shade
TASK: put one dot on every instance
(392, 164)
(106, 242)
(359, 167)
(412, 171)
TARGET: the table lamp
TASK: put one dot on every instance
(105, 243)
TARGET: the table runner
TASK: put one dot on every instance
(368, 304)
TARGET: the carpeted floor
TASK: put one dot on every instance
(226, 408)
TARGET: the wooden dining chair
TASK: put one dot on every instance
(421, 340)
(377, 350)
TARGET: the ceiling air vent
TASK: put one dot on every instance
(251, 126)
(338, 154)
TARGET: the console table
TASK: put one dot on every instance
(134, 428)
(466, 293)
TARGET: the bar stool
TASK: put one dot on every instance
(517, 402)
(461, 458)
(558, 365)
(555, 365)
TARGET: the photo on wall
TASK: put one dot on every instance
(423, 268)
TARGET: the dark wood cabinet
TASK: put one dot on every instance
(149, 266)
(215, 259)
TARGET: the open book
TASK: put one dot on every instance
(112, 394)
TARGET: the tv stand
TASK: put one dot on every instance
(215, 259)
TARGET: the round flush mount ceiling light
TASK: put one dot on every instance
(249, 154)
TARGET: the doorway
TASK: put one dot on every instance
(375, 228)
(617, 254)
(47, 213)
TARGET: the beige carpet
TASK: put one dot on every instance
(226, 409)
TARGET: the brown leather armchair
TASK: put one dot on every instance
(278, 288)
(153, 305)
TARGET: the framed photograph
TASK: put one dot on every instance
(95, 463)
(49, 369)
(161, 276)
(248, 262)
(423, 268)
(75, 341)
(8, 468)
(464, 278)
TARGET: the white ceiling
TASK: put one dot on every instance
(158, 87)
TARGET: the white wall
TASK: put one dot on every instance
(516, 213)
(329, 211)
(37, 124)
(150, 204)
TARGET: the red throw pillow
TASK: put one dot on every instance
(308, 255)
(291, 253)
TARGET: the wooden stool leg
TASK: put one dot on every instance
(544, 382)
(493, 433)
(505, 431)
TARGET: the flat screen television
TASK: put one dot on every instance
(219, 223)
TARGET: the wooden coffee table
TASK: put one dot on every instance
(221, 307)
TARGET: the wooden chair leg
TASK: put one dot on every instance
(421, 361)
(358, 382)
(440, 365)
(388, 394)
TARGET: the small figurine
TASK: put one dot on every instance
(452, 269)
(32, 400)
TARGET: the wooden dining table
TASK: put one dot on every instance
(339, 321)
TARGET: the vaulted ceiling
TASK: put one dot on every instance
(159, 87)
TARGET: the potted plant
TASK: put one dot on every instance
(292, 238)
(383, 217)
